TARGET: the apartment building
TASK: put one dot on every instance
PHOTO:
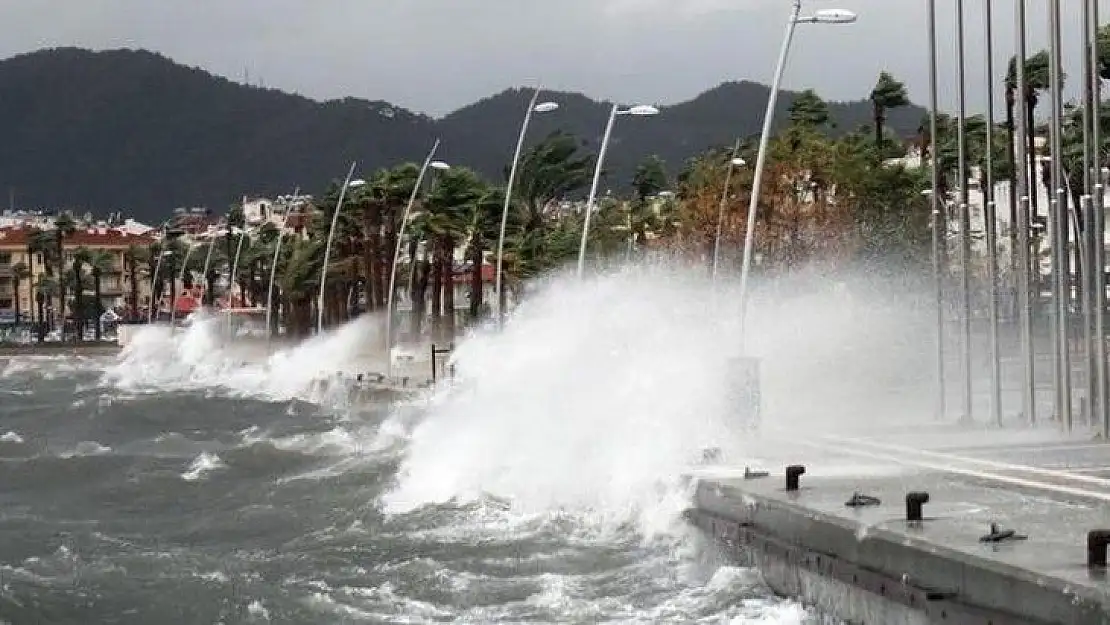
(112, 243)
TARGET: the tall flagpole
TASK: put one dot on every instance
(1024, 264)
(989, 216)
(938, 216)
(965, 218)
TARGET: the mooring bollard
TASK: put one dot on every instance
(1096, 548)
(793, 473)
(915, 501)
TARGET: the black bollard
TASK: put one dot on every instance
(914, 502)
(793, 472)
(1096, 548)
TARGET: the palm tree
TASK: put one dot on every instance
(484, 218)
(81, 259)
(64, 227)
(99, 261)
(888, 93)
(133, 259)
(45, 288)
(446, 221)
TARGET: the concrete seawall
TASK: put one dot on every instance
(876, 563)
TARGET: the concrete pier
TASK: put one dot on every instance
(878, 532)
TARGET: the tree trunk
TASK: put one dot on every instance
(62, 281)
(437, 290)
(448, 278)
(78, 303)
(476, 291)
(99, 308)
(1010, 151)
(18, 311)
(371, 235)
(877, 111)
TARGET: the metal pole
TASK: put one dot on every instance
(593, 190)
(153, 285)
(939, 218)
(1098, 258)
(231, 278)
(1087, 239)
(721, 210)
(1060, 225)
(207, 264)
(760, 160)
(965, 217)
(273, 266)
(181, 279)
(990, 217)
(509, 201)
(1025, 302)
(327, 250)
(397, 259)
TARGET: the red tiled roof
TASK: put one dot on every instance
(84, 237)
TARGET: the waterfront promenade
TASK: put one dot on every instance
(939, 526)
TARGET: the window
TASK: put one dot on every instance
(5, 258)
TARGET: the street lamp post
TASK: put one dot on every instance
(181, 279)
(273, 265)
(533, 107)
(154, 281)
(830, 16)
(428, 162)
(1098, 224)
(734, 161)
(347, 184)
(640, 110)
(1023, 283)
(991, 219)
(939, 217)
(1058, 218)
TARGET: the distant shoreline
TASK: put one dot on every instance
(85, 348)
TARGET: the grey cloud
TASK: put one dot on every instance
(436, 55)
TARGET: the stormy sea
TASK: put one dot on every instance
(185, 481)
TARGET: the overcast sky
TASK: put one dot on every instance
(433, 56)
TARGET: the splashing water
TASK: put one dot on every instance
(599, 395)
(161, 359)
(596, 397)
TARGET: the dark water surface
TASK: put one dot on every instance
(198, 506)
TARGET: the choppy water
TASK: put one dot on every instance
(178, 483)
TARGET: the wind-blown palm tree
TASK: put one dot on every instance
(888, 93)
(64, 227)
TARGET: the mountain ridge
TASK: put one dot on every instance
(133, 130)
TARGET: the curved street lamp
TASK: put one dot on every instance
(154, 281)
(733, 163)
(274, 262)
(428, 163)
(544, 107)
(347, 184)
(827, 16)
(640, 110)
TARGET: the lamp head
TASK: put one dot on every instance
(643, 110)
(440, 165)
(834, 16)
(738, 162)
(546, 107)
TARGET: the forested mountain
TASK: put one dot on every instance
(134, 131)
